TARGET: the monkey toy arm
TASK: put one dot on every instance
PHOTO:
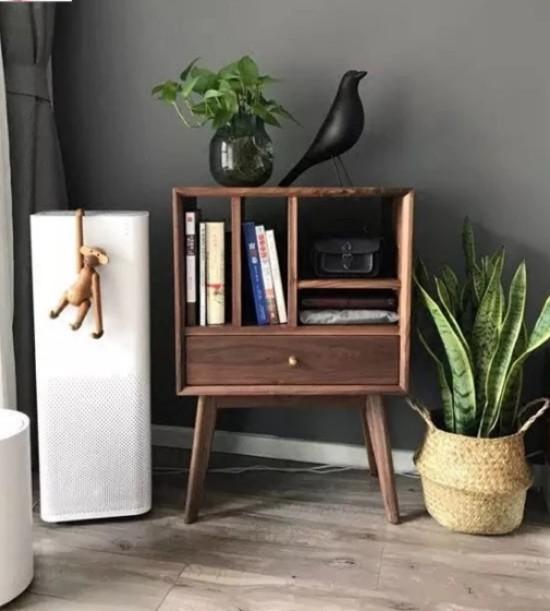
(96, 300)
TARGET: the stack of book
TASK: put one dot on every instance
(205, 272)
(205, 294)
(265, 274)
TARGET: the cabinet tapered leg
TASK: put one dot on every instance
(378, 428)
(373, 470)
(205, 424)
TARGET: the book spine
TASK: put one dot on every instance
(266, 275)
(276, 275)
(191, 267)
(255, 273)
(215, 273)
(202, 274)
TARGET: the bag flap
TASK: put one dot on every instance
(352, 246)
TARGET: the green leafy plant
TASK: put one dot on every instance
(201, 95)
(484, 341)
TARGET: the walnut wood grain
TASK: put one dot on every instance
(272, 390)
(379, 434)
(404, 232)
(371, 459)
(236, 261)
(267, 360)
(292, 261)
(353, 330)
(205, 424)
(350, 283)
(287, 192)
(179, 298)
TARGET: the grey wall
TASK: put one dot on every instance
(457, 105)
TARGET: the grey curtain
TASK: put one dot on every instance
(38, 182)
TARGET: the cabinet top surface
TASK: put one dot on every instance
(293, 191)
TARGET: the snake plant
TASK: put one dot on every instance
(484, 341)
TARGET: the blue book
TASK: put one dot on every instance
(255, 273)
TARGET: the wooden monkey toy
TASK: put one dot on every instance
(85, 292)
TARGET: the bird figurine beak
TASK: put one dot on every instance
(361, 74)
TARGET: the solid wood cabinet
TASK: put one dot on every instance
(241, 359)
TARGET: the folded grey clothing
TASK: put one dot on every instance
(347, 317)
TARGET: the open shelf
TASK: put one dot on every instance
(350, 283)
(293, 216)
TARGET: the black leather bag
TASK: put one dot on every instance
(341, 257)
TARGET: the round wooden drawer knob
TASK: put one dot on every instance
(292, 361)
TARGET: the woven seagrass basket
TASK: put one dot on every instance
(474, 485)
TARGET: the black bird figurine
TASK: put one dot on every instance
(340, 130)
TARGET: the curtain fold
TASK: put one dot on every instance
(7, 360)
(38, 182)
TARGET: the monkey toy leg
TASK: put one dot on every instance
(82, 311)
(96, 296)
(60, 307)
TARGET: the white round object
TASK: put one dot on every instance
(16, 558)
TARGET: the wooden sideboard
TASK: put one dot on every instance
(240, 364)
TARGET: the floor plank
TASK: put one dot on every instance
(272, 541)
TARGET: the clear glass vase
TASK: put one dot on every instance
(241, 153)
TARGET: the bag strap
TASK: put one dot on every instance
(422, 411)
(528, 423)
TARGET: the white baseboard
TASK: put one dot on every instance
(269, 446)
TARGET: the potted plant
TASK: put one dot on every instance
(472, 462)
(233, 100)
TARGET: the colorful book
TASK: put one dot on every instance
(191, 267)
(276, 275)
(255, 273)
(215, 273)
(202, 274)
(266, 275)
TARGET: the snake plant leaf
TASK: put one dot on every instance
(447, 310)
(539, 336)
(469, 246)
(464, 395)
(511, 329)
(451, 282)
(512, 392)
(446, 394)
(485, 336)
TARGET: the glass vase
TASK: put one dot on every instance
(241, 153)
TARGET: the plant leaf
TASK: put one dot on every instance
(444, 300)
(485, 335)
(509, 334)
(187, 70)
(512, 391)
(539, 336)
(446, 394)
(188, 86)
(469, 246)
(248, 70)
(464, 395)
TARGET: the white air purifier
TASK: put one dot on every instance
(93, 395)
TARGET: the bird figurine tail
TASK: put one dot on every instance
(298, 169)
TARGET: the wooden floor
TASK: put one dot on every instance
(280, 541)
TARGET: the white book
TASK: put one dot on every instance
(215, 273)
(276, 275)
(190, 266)
(266, 275)
(202, 274)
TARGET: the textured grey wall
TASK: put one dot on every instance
(457, 104)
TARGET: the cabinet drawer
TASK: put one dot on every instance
(241, 360)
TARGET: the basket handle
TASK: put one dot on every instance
(422, 411)
(527, 424)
